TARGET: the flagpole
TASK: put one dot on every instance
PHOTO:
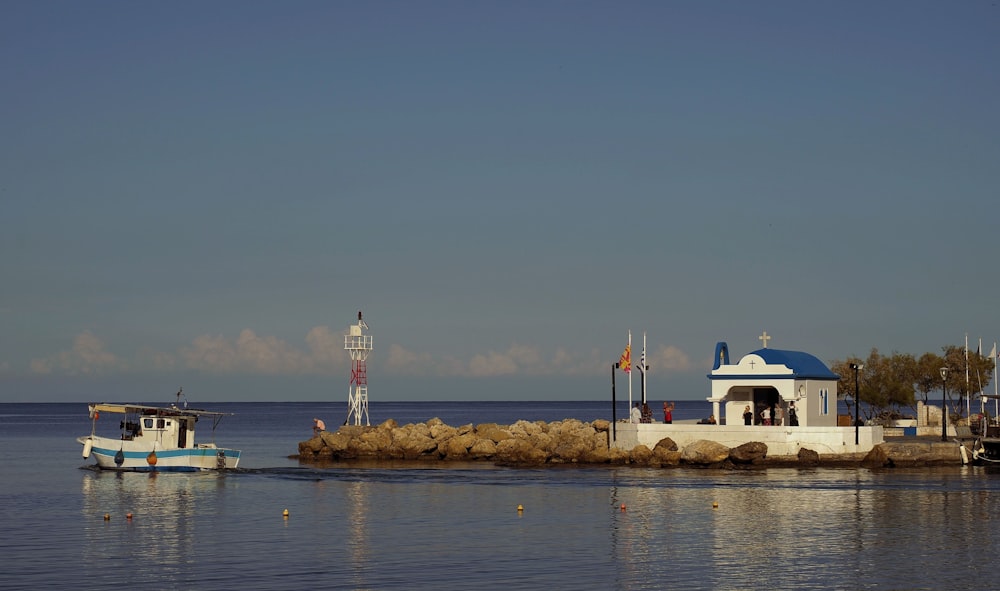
(979, 377)
(967, 387)
(630, 372)
(642, 363)
(996, 396)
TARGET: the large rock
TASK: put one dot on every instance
(640, 455)
(525, 429)
(483, 449)
(375, 443)
(667, 444)
(598, 455)
(457, 448)
(493, 432)
(337, 442)
(570, 450)
(665, 456)
(617, 456)
(410, 444)
(519, 451)
(876, 458)
(311, 446)
(922, 453)
(748, 453)
(809, 457)
(705, 452)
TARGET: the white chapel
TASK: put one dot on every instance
(776, 378)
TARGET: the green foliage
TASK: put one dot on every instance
(890, 383)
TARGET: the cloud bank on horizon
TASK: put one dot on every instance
(323, 354)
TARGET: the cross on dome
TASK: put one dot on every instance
(764, 338)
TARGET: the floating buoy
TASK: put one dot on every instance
(151, 458)
(128, 516)
(520, 508)
(119, 458)
(623, 507)
(285, 513)
(89, 445)
(107, 517)
(715, 504)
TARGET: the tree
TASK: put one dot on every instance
(886, 383)
(928, 377)
(890, 383)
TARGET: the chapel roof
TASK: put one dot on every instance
(804, 365)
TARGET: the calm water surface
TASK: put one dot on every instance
(456, 526)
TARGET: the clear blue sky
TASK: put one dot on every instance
(203, 194)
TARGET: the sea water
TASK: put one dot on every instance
(430, 525)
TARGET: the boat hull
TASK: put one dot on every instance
(986, 452)
(129, 456)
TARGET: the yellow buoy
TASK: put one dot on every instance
(107, 517)
(285, 513)
(520, 508)
(715, 505)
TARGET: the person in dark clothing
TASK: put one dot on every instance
(647, 414)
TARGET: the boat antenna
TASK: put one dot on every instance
(180, 394)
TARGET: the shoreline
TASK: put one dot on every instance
(572, 442)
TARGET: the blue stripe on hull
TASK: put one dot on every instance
(135, 461)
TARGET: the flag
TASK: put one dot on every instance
(993, 351)
(626, 359)
(642, 360)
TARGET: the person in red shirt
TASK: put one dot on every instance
(668, 412)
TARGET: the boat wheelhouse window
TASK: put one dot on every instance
(148, 423)
(159, 423)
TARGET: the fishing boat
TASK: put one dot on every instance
(151, 438)
(986, 451)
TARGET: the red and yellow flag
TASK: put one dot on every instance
(626, 359)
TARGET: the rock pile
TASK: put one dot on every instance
(569, 441)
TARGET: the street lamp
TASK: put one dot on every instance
(944, 407)
(857, 402)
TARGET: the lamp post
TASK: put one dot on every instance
(944, 405)
(857, 402)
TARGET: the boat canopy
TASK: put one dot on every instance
(157, 410)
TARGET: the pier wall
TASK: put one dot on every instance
(780, 441)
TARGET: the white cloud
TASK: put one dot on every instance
(669, 358)
(323, 354)
(87, 357)
(265, 355)
(516, 360)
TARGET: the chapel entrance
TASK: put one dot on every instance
(763, 399)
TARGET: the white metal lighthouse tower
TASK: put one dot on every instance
(358, 346)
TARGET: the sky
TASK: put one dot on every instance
(204, 194)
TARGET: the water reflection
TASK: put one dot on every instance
(801, 529)
(161, 532)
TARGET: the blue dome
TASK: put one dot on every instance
(803, 365)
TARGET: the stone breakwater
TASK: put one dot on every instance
(571, 441)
